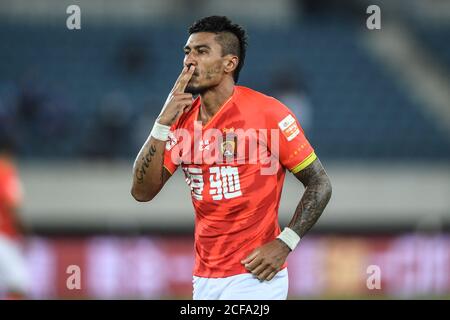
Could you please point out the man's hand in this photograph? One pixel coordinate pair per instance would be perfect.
(178, 101)
(149, 175)
(264, 262)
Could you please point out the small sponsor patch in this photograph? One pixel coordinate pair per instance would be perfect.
(289, 127)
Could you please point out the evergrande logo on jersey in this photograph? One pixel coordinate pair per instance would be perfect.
(228, 145)
(228, 148)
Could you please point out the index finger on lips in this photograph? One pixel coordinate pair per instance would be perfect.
(179, 78)
(184, 78)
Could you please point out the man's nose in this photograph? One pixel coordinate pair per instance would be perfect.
(189, 60)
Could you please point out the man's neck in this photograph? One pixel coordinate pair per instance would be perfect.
(213, 99)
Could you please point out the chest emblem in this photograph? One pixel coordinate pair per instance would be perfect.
(228, 148)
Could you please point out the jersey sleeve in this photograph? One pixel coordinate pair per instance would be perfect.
(293, 150)
(171, 154)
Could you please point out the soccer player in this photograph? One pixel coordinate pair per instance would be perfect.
(13, 275)
(240, 251)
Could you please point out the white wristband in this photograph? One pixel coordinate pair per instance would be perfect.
(290, 237)
(160, 132)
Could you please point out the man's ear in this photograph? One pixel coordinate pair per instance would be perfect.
(230, 63)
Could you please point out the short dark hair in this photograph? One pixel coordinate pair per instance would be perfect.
(225, 29)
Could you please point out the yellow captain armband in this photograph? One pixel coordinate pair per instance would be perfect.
(302, 165)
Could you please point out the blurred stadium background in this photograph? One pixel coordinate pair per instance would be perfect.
(374, 104)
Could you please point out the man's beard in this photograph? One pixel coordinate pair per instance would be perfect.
(196, 90)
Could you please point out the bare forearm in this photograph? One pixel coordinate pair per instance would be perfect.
(148, 170)
(149, 175)
(314, 200)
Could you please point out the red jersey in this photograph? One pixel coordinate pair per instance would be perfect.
(235, 167)
(10, 198)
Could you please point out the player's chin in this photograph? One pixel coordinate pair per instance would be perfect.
(194, 89)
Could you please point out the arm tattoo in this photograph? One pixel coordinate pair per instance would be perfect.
(146, 159)
(314, 200)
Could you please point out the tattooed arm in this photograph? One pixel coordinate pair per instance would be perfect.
(264, 262)
(149, 174)
(314, 200)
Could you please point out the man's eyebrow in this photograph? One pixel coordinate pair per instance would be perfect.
(186, 47)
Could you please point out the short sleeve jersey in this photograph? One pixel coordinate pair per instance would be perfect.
(235, 167)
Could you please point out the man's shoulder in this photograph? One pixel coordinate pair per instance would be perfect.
(262, 103)
(248, 93)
